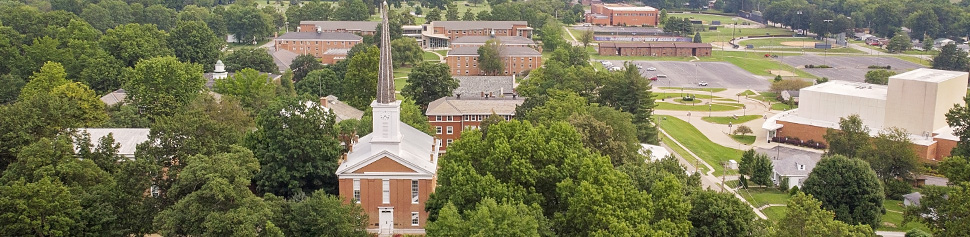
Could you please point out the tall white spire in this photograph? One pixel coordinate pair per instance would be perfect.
(387, 109)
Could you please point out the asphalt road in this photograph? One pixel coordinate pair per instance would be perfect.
(689, 74)
(847, 68)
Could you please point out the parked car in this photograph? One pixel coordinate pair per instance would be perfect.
(653, 78)
(639, 67)
(661, 76)
(616, 69)
(651, 69)
(702, 83)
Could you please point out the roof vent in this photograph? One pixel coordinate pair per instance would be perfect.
(319, 30)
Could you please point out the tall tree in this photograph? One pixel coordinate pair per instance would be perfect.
(956, 169)
(628, 91)
(303, 64)
(469, 15)
(951, 58)
(133, 42)
(892, 155)
(427, 82)
(899, 43)
(162, 85)
(248, 24)
(433, 15)
(849, 188)
(490, 57)
(255, 58)
(406, 51)
(490, 217)
(352, 10)
(297, 147)
(452, 13)
(360, 82)
(586, 37)
(253, 89)
(942, 209)
(552, 35)
(42, 208)
(309, 11)
(160, 16)
(194, 42)
(806, 217)
(720, 214)
(320, 83)
(319, 214)
(851, 136)
(761, 170)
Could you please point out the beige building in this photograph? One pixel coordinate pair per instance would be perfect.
(916, 101)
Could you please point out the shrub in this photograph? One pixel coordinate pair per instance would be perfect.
(880, 67)
(917, 233)
(896, 188)
(783, 185)
(793, 191)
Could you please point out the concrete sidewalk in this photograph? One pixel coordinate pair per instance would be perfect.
(720, 133)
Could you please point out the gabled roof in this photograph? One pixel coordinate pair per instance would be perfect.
(343, 25)
(342, 110)
(127, 138)
(320, 36)
(415, 151)
(788, 166)
(474, 25)
(913, 198)
(474, 105)
(475, 85)
(506, 51)
(506, 40)
(114, 97)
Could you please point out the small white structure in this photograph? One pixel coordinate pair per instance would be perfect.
(127, 138)
(653, 152)
(220, 71)
(732, 164)
(795, 168)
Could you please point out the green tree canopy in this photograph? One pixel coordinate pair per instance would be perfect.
(319, 214)
(194, 42)
(255, 58)
(892, 155)
(304, 64)
(899, 43)
(360, 82)
(427, 82)
(720, 214)
(490, 57)
(407, 51)
(629, 92)
(951, 58)
(942, 209)
(806, 217)
(352, 10)
(490, 217)
(162, 85)
(252, 88)
(131, 43)
(851, 136)
(847, 187)
(247, 23)
(320, 83)
(880, 76)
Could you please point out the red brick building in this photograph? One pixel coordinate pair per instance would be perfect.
(318, 44)
(439, 34)
(392, 171)
(463, 61)
(355, 27)
(449, 116)
(658, 49)
(622, 15)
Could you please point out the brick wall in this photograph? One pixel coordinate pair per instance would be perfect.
(313, 47)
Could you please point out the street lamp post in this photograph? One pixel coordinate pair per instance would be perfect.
(826, 40)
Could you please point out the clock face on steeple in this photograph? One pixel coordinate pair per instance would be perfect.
(385, 116)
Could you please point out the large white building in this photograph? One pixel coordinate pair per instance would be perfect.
(916, 101)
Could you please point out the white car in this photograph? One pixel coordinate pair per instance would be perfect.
(702, 83)
(651, 69)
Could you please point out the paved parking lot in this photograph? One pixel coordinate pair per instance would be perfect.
(847, 68)
(688, 74)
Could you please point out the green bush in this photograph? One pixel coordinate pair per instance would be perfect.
(783, 185)
(895, 189)
(793, 191)
(917, 233)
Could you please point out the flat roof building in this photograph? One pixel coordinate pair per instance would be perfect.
(664, 49)
(916, 101)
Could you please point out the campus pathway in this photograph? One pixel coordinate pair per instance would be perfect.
(720, 133)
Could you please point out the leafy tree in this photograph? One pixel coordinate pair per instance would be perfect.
(215, 197)
(489, 217)
(255, 58)
(253, 89)
(746, 165)
(663, 16)
(434, 15)
(406, 18)
(697, 37)
(452, 13)
(427, 82)
(789, 85)
(42, 208)
(680, 26)
(629, 92)
(133, 42)
(923, 22)
(609, 132)
(319, 214)
(899, 43)
(892, 156)
(98, 17)
(9, 92)
(551, 33)
(303, 64)
(927, 43)
(806, 217)
(942, 209)
(490, 57)
(352, 10)
(571, 56)
(417, 10)
(194, 42)
(719, 214)
(320, 83)
(160, 16)
(50, 76)
(761, 170)
(406, 50)
(586, 37)
(851, 136)
(360, 82)
(956, 169)
(469, 15)
(647, 176)
(297, 147)
(951, 58)
(743, 130)
(162, 85)
(247, 23)
(847, 187)
(310, 11)
(880, 76)
(917, 233)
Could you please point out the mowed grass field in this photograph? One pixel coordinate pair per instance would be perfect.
(708, 18)
(755, 63)
(726, 120)
(724, 33)
(696, 142)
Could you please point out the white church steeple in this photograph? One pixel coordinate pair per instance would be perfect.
(387, 109)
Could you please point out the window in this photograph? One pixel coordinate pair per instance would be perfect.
(154, 190)
(450, 130)
(386, 199)
(414, 191)
(801, 167)
(414, 219)
(437, 118)
(450, 141)
(357, 190)
(437, 129)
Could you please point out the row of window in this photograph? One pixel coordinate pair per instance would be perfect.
(318, 42)
(447, 118)
(633, 14)
(466, 118)
(438, 130)
(386, 191)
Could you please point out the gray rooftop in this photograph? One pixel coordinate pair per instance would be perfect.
(127, 138)
(789, 166)
(474, 105)
(320, 36)
(506, 51)
(913, 198)
(342, 110)
(475, 85)
(114, 97)
(344, 25)
(508, 40)
(474, 25)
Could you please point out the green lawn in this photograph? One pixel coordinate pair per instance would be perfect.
(683, 153)
(776, 44)
(767, 97)
(696, 142)
(698, 107)
(915, 60)
(400, 77)
(775, 213)
(696, 89)
(723, 34)
(744, 139)
(746, 93)
(429, 56)
(755, 63)
(781, 106)
(726, 119)
(763, 196)
(707, 18)
(776, 41)
(662, 95)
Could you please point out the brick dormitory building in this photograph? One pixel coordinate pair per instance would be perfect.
(449, 116)
(330, 47)
(355, 27)
(463, 61)
(439, 34)
(656, 49)
(916, 101)
(622, 15)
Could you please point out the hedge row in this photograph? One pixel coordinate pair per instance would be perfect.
(798, 142)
